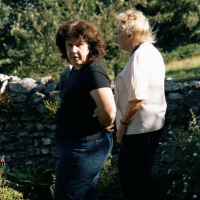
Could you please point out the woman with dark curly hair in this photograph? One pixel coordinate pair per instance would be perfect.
(86, 111)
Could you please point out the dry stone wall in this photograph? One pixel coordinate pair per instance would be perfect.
(27, 133)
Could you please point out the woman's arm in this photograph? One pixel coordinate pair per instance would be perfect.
(131, 109)
(106, 107)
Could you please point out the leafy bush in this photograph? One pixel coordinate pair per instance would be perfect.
(5, 104)
(6, 192)
(10, 194)
(35, 182)
(28, 30)
(180, 179)
(52, 107)
(182, 52)
(109, 187)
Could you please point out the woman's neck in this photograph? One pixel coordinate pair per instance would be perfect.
(136, 46)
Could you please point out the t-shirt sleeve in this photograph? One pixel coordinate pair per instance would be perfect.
(136, 78)
(98, 77)
(139, 79)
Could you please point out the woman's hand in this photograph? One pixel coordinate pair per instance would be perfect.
(131, 109)
(119, 135)
(110, 128)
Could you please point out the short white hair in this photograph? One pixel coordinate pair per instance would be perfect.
(133, 21)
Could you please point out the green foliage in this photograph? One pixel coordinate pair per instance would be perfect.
(5, 104)
(28, 28)
(52, 186)
(177, 22)
(181, 179)
(6, 192)
(109, 187)
(34, 182)
(10, 194)
(183, 73)
(52, 108)
(185, 147)
(28, 38)
(182, 52)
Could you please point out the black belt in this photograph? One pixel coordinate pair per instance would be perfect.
(96, 136)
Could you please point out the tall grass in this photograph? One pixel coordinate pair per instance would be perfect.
(187, 67)
(183, 62)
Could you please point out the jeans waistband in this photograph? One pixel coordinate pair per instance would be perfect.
(96, 136)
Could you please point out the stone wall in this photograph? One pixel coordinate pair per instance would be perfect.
(27, 130)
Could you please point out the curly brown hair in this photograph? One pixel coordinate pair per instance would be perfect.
(81, 29)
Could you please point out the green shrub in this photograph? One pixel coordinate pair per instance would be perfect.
(52, 107)
(180, 179)
(10, 194)
(34, 182)
(109, 187)
(182, 52)
(5, 104)
(6, 192)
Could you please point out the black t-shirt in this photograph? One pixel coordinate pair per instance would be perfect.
(74, 118)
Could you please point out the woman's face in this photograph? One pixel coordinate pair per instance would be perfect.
(77, 52)
(123, 40)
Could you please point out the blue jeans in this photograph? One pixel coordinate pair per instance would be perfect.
(79, 167)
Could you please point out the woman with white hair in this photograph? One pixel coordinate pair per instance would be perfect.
(141, 104)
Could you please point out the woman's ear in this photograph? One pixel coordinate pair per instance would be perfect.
(130, 36)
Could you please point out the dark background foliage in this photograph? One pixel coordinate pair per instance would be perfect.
(28, 28)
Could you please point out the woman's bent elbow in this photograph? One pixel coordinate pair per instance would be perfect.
(108, 120)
